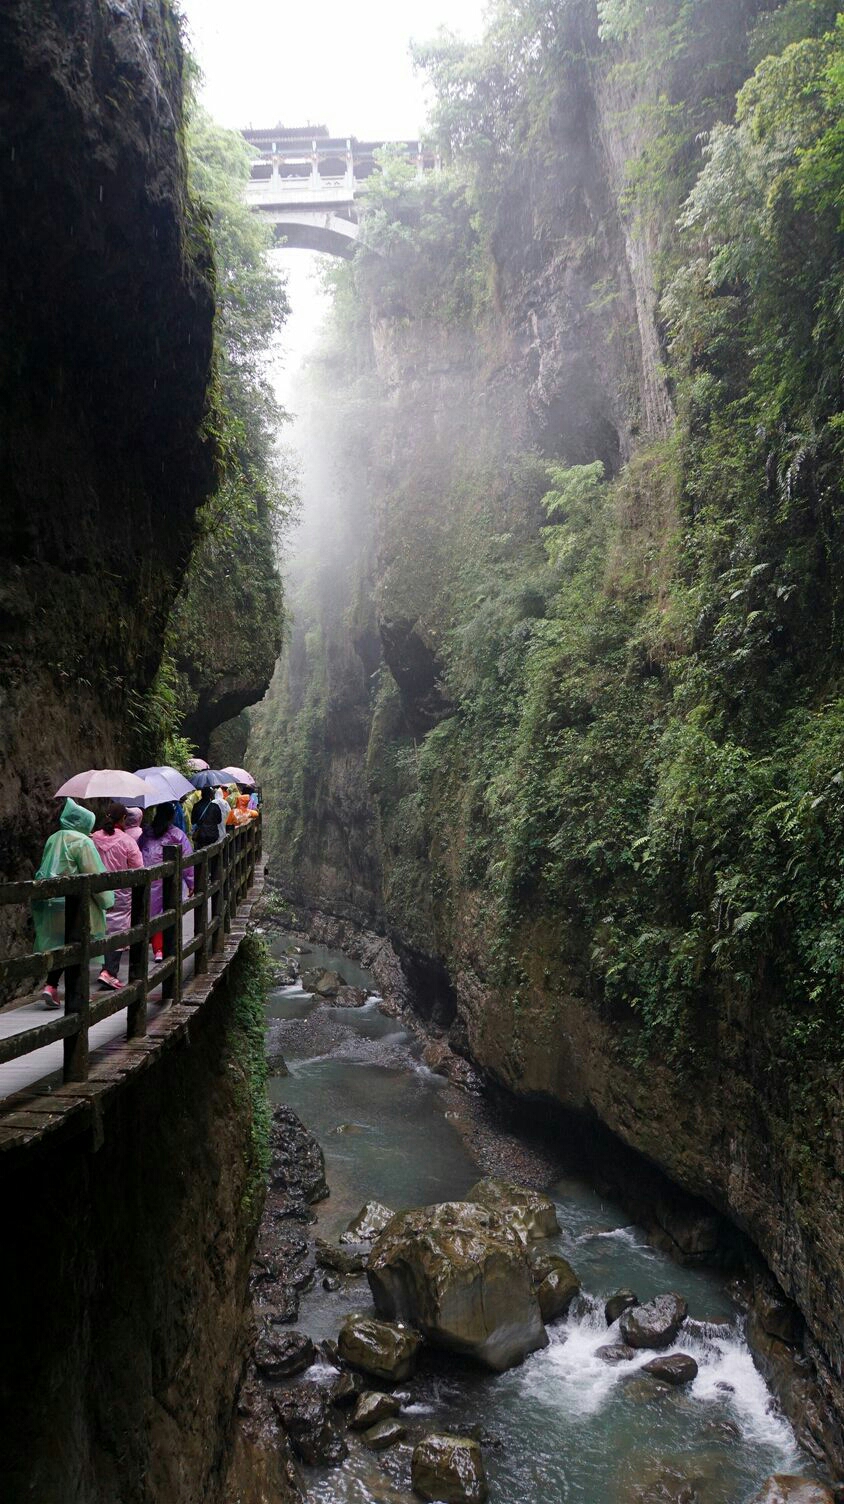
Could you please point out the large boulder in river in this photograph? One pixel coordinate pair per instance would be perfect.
(459, 1274)
(368, 1224)
(528, 1212)
(449, 1468)
(655, 1324)
(384, 1349)
(783, 1488)
(323, 983)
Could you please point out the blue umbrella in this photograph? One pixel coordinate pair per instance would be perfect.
(165, 785)
(210, 779)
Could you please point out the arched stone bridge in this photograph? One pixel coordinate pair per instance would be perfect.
(309, 184)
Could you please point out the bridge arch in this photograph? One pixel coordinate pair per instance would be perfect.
(310, 230)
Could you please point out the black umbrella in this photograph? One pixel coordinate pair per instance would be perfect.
(209, 778)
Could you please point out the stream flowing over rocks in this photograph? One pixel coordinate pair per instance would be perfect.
(442, 1313)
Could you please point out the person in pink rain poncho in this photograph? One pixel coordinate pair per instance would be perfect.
(120, 853)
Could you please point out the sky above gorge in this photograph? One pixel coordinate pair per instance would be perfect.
(342, 65)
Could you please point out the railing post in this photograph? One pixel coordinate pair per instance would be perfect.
(136, 1013)
(215, 876)
(200, 891)
(77, 983)
(228, 853)
(171, 990)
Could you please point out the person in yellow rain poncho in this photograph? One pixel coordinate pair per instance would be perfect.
(67, 853)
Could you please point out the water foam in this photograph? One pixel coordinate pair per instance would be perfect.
(570, 1373)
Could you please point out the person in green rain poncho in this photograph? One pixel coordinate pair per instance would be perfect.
(68, 852)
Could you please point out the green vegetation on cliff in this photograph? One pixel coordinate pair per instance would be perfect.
(638, 734)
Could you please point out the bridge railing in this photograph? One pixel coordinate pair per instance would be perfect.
(223, 875)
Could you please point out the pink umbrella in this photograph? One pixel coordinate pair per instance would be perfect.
(240, 775)
(103, 783)
(198, 764)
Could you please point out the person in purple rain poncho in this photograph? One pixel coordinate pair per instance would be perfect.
(162, 832)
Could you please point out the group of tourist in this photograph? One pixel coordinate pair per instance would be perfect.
(122, 841)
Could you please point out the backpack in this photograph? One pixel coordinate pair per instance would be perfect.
(206, 832)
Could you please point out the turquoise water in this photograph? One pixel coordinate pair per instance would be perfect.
(565, 1426)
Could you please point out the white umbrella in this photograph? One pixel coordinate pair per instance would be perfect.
(198, 764)
(240, 775)
(165, 784)
(104, 783)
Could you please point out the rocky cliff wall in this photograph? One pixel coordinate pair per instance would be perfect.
(106, 307)
(126, 1260)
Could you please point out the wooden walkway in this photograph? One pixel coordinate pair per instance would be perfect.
(36, 1105)
(45, 1066)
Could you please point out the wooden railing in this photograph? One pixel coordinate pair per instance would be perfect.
(223, 875)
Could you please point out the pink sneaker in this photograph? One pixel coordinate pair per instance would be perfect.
(109, 981)
(158, 955)
(50, 996)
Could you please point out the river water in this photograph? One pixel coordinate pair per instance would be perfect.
(565, 1427)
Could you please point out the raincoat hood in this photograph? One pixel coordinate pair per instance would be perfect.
(74, 817)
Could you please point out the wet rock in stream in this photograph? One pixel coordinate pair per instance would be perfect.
(783, 1488)
(298, 1166)
(324, 983)
(351, 997)
(384, 1434)
(458, 1273)
(655, 1324)
(280, 1355)
(284, 1264)
(368, 1224)
(449, 1468)
(617, 1304)
(307, 1420)
(371, 1407)
(554, 1281)
(349, 1260)
(386, 1350)
(528, 1212)
(676, 1369)
(615, 1352)
(346, 1389)
(442, 1060)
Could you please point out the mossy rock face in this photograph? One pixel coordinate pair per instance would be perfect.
(459, 1274)
(449, 1468)
(386, 1350)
